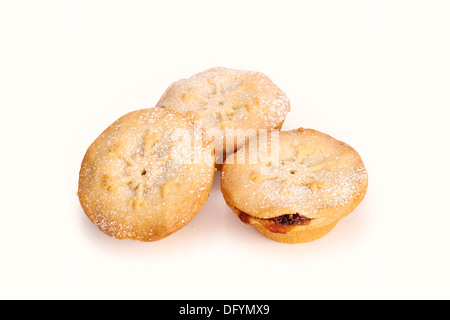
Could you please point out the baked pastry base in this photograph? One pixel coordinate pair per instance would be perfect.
(298, 235)
(306, 233)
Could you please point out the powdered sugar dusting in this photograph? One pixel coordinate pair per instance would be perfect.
(137, 168)
(315, 172)
(221, 99)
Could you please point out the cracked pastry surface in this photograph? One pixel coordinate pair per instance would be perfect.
(299, 192)
(224, 99)
(140, 179)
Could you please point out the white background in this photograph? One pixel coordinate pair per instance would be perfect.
(375, 74)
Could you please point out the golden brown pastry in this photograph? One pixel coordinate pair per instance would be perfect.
(297, 187)
(141, 178)
(227, 100)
